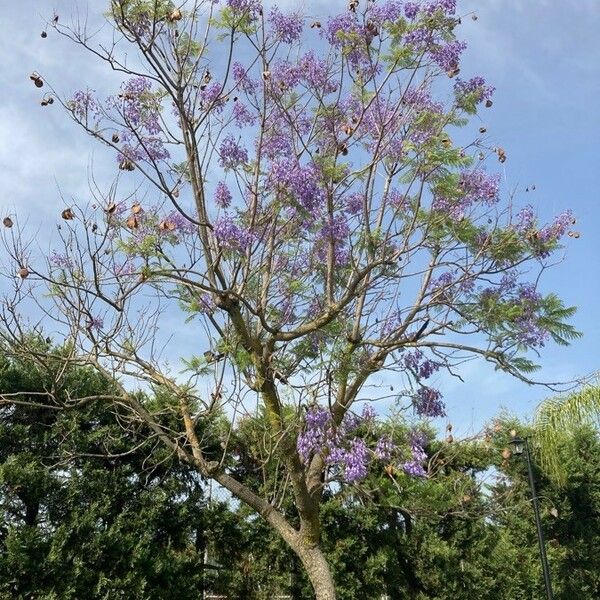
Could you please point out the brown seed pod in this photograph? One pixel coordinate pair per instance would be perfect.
(110, 209)
(449, 438)
(316, 24)
(574, 234)
(136, 209)
(115, 138)
(266, 75)
(353, 5)
(7, 222)
(348, 130)
(207, 76)
(94, 228)
(44, 102)
(175, 15)
(67, 214)
(481, 156)
(488, 103)
(506, 453)
(50, 100)
(453, 72)
(38, 83)
(482, 130)
(126, 165)
(132, 222)
(23, 272)
(343, 148)
(474, 17)
(43, 34)
(167, 226)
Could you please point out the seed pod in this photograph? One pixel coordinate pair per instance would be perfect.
(449, 438)
(136, 209)
(7, 222)
(343, 148)
(23, 272)
(316, 24)
(506, 453)
(266, 75)
(488, 103)
(175, 15)
(167, 226)
(126, 165)
(110, 209)
(513, 433)
(43, 34)
(132, 222)
(50, 100)
(453, 72)
(94, 228)
(482, 130)
(348, 130)
(474, 17)
(481, 156)
(207, 76)
(38, 83)
(574, 234)
(115, 138)
(67, 214)
(44, 102)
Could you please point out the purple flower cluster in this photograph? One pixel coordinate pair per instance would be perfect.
(287, 28)
(447, 56)
(428, 402)
(62, 261)
(301, 182)
(252, 8)
(385, 448)
(477, 185)
(243, 82)
(342, 450)
(316, 73)
(475, 87)
(242, 116)
(222, 195)
(83, 104)
(414, 466)
(389, 11)
(230, 235)
(231, 153)
(211, 97)
(421, 367)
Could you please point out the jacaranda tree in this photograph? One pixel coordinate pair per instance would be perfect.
(291, 189)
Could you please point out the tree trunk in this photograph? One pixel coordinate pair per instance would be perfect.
(318, 571)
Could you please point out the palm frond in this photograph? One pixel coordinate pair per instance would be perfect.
(556, 420)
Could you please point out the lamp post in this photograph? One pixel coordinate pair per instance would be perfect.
(521, 448)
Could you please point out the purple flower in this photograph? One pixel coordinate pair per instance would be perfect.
(388, 11)
(447, 57)
(250, 7)
(242, 80)
(241, 115)
(84, 104)
(230, 235)
(384, 448)
(317, 74)
(222, 195)
(414, 466)
(312, 439)
(231, 154)
(356, 460)
(354, 203)
(421, 367)
(428, 402)
(62, 261)
(287, 28)
(411, 10)
(475, 87)
(211, 97)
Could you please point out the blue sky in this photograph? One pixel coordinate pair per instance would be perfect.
(543, 56)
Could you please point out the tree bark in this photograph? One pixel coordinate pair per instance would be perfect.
(318, 571)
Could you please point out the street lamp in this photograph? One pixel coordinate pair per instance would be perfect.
(521, 448)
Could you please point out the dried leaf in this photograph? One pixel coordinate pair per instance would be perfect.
(7, 222)
(67, 214)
